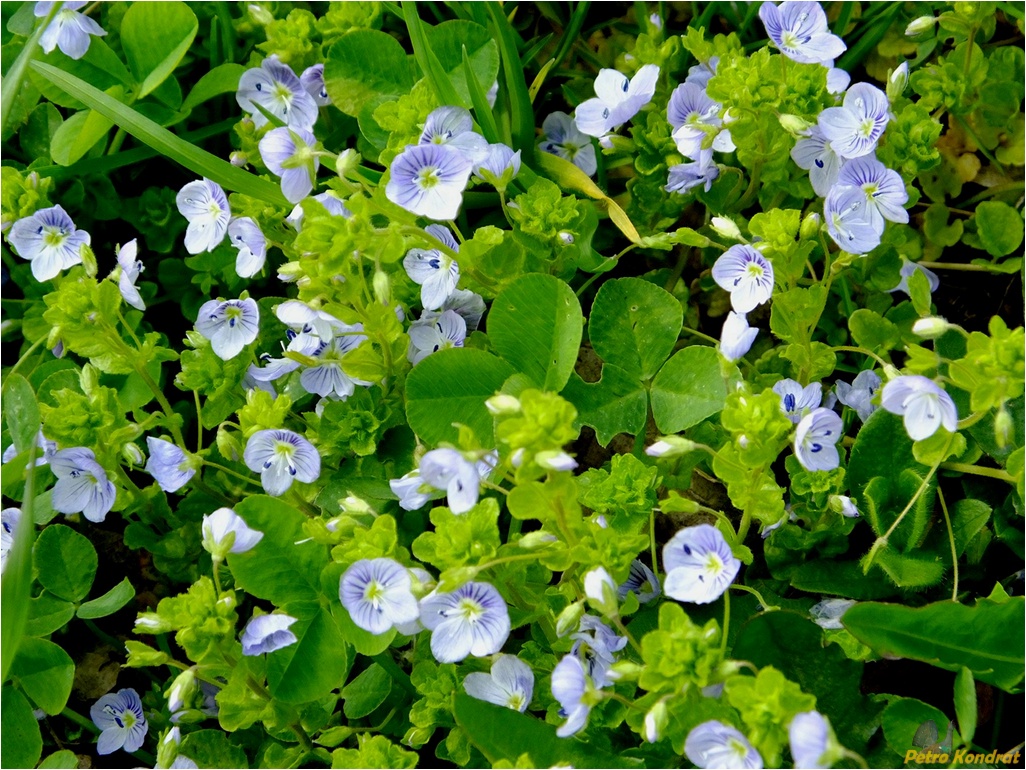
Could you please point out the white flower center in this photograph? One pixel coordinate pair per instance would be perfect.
(515, 701)
(866, 127)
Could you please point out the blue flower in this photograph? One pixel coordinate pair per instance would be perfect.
(69, 30)
(168, 464)
(699, 565)
(312, 81)
(275, 87)
(594, 645)
(467, 304)
(923, 403)
(329, 200)
(737, 336)
(848, 220)
(82, 485)
(684, 177)
(617, 100)
(795, 400)
(448, 330)
(436, 273)
(569, 685)
(810, 738)
(408, 490)
(816, 438)
(49, 240)
(326, 377)
(248, 238)
(42, 458)
(499, 167)
(303, 319)
(230, 325)
(206, 207)
(9, 519)
(885, 192)
(859, 395)
(746, 274)
(642, 581)
(267, 633)
(429, 180)
(291, 154)
(454, 127)
(225, 532)
(448, 470)
(377, 594)
(854, 128)
(908, 269)
(510, 683)
(120, 717)
(713, 744)
(694, 117)
(130, 268)
(563, 139)
(472, 620)
(281, 456)
(815, 155)
(800, 31)
(828, 613)
(701, 73)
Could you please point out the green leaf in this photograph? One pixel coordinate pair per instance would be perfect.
(617, 403)
(163, 141)
(503, 734)
(77, 135)
(60, 760)
(987, 638)
(270, 570)
(873, 331)
(428, 61)
(451, 386)
(21, 411)
(914, 571)
(365, 693)
(521, 111)
(223, 79)
(688, 389)
(212, 748)
(16, 586)
(999, 226)
(155, 38)
(536, 325)
(109, 603)
(968, 517)
(47, 613)
(903, 721)
(312, 667)
(634, 325)
(65, 562)
(965, 703)
(45, 672)
(363, 65)
(364, 642)
(23, 743)
(919, 292)
(795, 312)
(447, 41)
(479, 99)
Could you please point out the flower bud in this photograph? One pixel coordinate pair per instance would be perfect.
(671, 446)
(655, 721)
(844, 506)
(794, 125)
(238, 159)
(566, 238)
(260, 15)
(920, 26)
(1003, 427)
(142, 655)
(133, 454)
(810, 226)
(503, 404)
(228, 445)
(601, 591)
(537, 539)
(382, 287)
(930, 328)
(890, 372)
(557, 460)
(150, 623)
(897, 81)
(352, 504)
(88, 260)
(727, 228)
(517, 459)
(625, 671)
(88, 379)
(569, 619)
(182, 690)
(347, 163)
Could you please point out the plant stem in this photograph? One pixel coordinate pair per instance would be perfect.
(961, 267)
(199, 422)
(29, 352)
(726, 623)
(951, 539)
(230, 472)
(975, 470)
(766, 606)
(863, 351)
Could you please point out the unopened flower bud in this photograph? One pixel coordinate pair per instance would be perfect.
(228, 445)
(238, 159)
(182, 690)
(347, 162)
(890, 371)
(566, 238)
(897, 81)
(150, 623)
(794, 125)
(382, 287)
(671, 446)
(655, 721)
(133, 454)
(930, 328)
(810, 226)
(844, 506)
(260, 15)
(555, 460)
(625, 671)
(569, 619)
(920, 26)
(517, 459)
(503, 404)
(601, 591)
(88, 260)
(355, 505)
(142, 655)
(1003, 427)
(537, 539)
(727, 228)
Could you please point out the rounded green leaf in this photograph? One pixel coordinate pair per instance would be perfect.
(536, 324)
(60, 760)
(365, 64)
(447, 40)
(65, 562)
(451, 386)
(617, 403)
(155, 38)
(999, 227)
(47, 613)
(45, 672)
(689, 388)
(634, 325)
(365, 693)
(314, 665)
(23, 743)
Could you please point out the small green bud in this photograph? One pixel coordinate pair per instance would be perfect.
(89, 379)
(503, 404)
(601, 591)
(897, 81)
(890, 372)
(1003, 427)
(88, 260)
(141, 655)
(569, 619)
(382, 287)
(290, 272)
(625, 671)
(260, 15)
(794, 125)
(810, 226)
(655, 721)
(727, 228)
(417, 736)
(671, 446)
(133, 455)
(181, 691)
(228, 445)
(348, 163)
(920, 26)
(238, 159)
(354, 505)
(930, 328)
(537, 539)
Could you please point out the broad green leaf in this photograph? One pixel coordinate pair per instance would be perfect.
(77, 135)
(23, 743)
(109, 603)
(47, 613)
(39, 130)
(279, 569)
(987, 638)
(536, 325)
(634, 325)
(223, 79)
(999, 226)
(968, 517)
(905, 728)
(451, 386)
(364, 642)
(447, 41)
(65, 562)
(795, 312)
(21, 411)
(914, 570)
(163, 141)
(965, 703)
(504, 734)
(155, 38)
(841, 578)
(365, 693)
(689, 388)
(45, 672)
(60, 760)
(312, 667)
(617, 403)
(873, 331)
(365, 64)
(212, 748)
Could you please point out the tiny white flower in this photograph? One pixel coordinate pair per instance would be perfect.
(168, 464)
(224, 532)
(206, 207)
(923, 404)
(82, 485)
(69, 30)
(737, 336)
(435, 272)
(510, 683)
(815, 440)
(130, 270)
(50, 240)
(617, 100)
(274, 86)
(699, 565)
(746, 274)
(377, 594)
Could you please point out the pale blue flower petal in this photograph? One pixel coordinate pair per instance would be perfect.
(716, 745)
(168, 464)
(699, 565)
(267, 633)
(815, 440)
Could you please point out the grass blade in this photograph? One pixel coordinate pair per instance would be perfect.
(482, 110)
(16, 586)
(433, 69)
(521, 111)
(163, 141)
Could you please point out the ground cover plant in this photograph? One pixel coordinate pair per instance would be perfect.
(512, 385)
